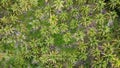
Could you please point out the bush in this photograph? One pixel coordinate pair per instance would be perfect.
(59, 34)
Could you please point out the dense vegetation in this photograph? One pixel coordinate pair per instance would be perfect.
(59, 34)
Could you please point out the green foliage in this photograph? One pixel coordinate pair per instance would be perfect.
(59, 34)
